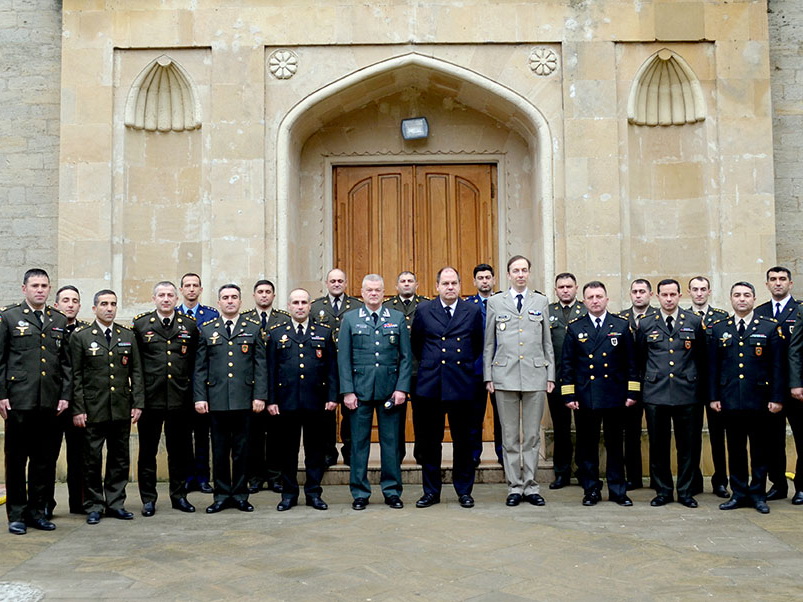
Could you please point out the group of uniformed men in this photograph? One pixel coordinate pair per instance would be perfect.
(253, 382)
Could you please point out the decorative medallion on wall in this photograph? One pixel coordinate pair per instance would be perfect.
(283, 64)
(163, 98)
(543, 61)
(665, 92)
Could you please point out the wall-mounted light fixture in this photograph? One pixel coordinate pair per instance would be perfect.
(415, 128)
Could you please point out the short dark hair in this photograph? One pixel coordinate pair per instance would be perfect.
(516, 258)
(100, 293)
(564, 275)
(743, 283)
(34, 272)
(443, 269)
(642, 281)
(594, 284)
(264, 282)
(67, 287)
(483, 267)
(707, 281)
(405, 272)
(667, 282)
(181, 282)
(229, 285)
(779, 268)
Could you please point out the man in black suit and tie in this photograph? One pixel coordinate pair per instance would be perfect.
(599, 379)
(447, 339)
(783, 307)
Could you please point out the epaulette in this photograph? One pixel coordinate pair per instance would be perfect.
(623, 318)
(496, 293)
(53, 309)
(81, 327)
(118, 325)
(319, 325)
(768, 318)
(716, 310)
(575, 319)
(209, 307)
(193, 318)
(324, 298)
(535, 290)
(208, 321)
(12, 306)
(143, 314)
(247, 319)
(282, 311)
(279, 325)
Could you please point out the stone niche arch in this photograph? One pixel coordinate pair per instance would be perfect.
(395, 75)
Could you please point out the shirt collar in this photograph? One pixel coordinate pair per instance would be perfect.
(514, 292)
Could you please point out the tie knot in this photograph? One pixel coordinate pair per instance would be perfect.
(229, 322)
(300, 329)
(598, 321)
(264, 314)
(166, 322)
(406, 302)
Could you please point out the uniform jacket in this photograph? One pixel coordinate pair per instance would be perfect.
(787, 318)
(168, 359)
(201, 313)
(303, 369)
(407, 310)
(672, 363)
(712, 315)
(447, 349)
(517, 353)
(558, 325)
(230, 372)
(322, 312)
(746, 373)
(599, 369)
(374, 360)
(630, 313)
(796, 352)
(107, 377)
(34, 360)
(277, 316)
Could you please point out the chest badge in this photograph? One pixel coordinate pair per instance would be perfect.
(94, 348)
(502, 326)
(244, 348)
(319, 353)
(759, 351)
(582, 337)
(614, 341)
(22, 326)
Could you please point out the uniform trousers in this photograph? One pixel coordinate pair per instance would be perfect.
(312, 424)
(178, 440)
(26, 435)
(687, 422)
(229, 430)
(390, 478)
(73, 438)
(742, 426)
(480, 406)
(587, 453)
(563, 448)
(792, 411)
(200, 434)
(520, 414)
(430, 420)
(633, 427)
(106, 491)
(263, 450)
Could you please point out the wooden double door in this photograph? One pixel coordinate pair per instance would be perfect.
(391, 218)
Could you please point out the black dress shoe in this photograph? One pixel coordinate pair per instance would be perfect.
(721, 491)
(244, 506)
(661, 500)
(217, 506)
(394, 501)
(182, 504)
(205, 487)
(466, 501)
(591, 498)
(253, 489)
(317, 503)
(48, 512)
(776, 494)
(359, 503)
(286, 504)
(514, 499)
(731, 504)
(427, 500)
(689, 502)
(535, 499)
(623, 501)
(17, 528)
(93, 518)
(148, 509)
(559, 482)
(119, 513)
(631, 485)
(762, 507)
(797, 500)
(42, 524)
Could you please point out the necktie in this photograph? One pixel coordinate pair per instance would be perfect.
(301, 330)
(166, 322)
(264, 319)
(777, 309)
(448, 312)
(484, 303)
(38, 314)
(566, 309)
(741, 327)
(190, 313)
(71, 327)
(336, 305)
(519, 298)
(406, 302)
(228, 327)
(599, 323)
(108, 336)
(374, 317)
(699, 313)
(669, 321)
(638, 319)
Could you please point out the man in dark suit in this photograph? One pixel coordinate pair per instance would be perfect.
(375, 367)
(783, 307)
(447, 339)
(302, 366)
(167, 343)
(35, 387)
(670, 346)
(794, 408)
(599, 380)
(230, 380)
(565, 309)
(640, 296)
(700, 293)
(263, 440)
(328, 310)
(746, 384)
(109, 396)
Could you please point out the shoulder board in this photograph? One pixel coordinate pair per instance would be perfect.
(12, 306)
(54, 310)
(209, 321)
(81, 327)
(322, 299)
(623, 318)
(193, 318)
(537, 292)
(421, 298)
(250, 319)
(118, 325)
(142, 315)
(319, 325)
(282, 311)
(208, 307)
(716, 310)
(767, 318)
(279, 325)
(555, 305)
(575, 319)
(81, 323)
(496, 293)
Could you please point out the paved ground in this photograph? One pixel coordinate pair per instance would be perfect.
(562, 551)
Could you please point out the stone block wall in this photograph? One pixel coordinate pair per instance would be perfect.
(30, 81)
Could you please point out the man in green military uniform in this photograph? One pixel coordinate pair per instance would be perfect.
(35, 386)
(109, 397)
(167, 342)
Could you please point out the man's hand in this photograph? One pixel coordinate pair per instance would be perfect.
(630, 402)
(201, 407)
(331, 406)
(716, 406)
(273, 409)
(550, 386)
(399, 397)
(5, 406)
(573, 405)
(258, 405)
(797, 393)
(774, 407)
(135, 414)
(489, 386)
(79, 420)
(350, 399)
(63, 405)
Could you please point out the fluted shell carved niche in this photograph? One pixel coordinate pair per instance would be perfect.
(665, 92)
(163, 98)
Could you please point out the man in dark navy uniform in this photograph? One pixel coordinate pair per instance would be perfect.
(599, 379)
(746, 384)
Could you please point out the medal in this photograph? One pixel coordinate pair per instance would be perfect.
(183, 350)
(502, 326)
(244, 348)
(393, 339)
(614, 341)
(124, 360)
(688, 344)
(758, 351)
(319, 353)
